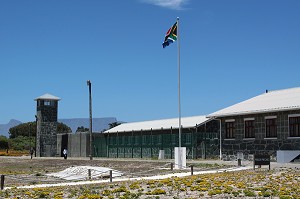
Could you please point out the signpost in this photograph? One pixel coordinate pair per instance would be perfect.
(261, 159)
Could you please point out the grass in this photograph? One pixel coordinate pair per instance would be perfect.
(13, 153)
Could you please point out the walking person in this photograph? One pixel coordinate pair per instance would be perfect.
(31, 152)
(65, 152)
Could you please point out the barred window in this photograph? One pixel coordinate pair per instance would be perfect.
(173, 139)
(271, 128)
(230, 130)
(136, 140)
(48, 103)
(159, 140)
(249, 129)
(294, 126)
(188, 138)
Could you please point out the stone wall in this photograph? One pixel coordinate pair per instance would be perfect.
(259, 144)
(46, 138)
(49, 112)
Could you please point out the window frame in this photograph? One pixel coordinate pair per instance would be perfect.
(271, 128)
(294, 126)
(48, 103)
(188, 138)
(249, 128)
(229, 129)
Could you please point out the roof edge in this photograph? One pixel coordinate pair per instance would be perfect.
(281, 109)
(47, 96)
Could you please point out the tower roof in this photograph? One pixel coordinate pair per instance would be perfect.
(47, 96)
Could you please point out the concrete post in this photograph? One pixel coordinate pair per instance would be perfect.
(90, 174)
(2, 182)
(192, 169)
(110, 176)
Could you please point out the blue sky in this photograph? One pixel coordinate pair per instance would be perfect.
(230, 51)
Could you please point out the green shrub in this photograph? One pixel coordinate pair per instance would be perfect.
(285, 197)
(266, 194)
(120, 189)
(156, 192)
(3, 142)
(249, 193)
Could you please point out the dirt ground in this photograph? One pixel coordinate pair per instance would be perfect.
(25, 171)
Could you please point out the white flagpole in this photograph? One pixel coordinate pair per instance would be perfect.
(179, 103)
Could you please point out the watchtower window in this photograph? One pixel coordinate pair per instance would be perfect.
(48, 103)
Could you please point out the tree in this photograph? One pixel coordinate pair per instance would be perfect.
(24, 129)
(20, 143)
(29, 129)
(114, 124)
(82, 129)
(63, 128)
(22, 136)
(3, 142)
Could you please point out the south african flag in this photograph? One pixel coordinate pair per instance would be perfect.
(171, 36)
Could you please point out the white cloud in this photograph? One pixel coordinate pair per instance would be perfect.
(171, 4)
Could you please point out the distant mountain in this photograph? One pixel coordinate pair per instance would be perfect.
(4, 128)
(99, 124)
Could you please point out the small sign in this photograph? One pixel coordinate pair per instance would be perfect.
(240, 155)
(261, 159)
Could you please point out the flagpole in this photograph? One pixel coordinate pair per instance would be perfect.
(179, 103)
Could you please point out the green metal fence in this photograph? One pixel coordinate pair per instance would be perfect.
(146, 144)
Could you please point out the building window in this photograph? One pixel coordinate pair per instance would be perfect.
(294, 126)
(173, 139)
(48, 103)
(146, 139)
(229, 129)
(114, 140)
(249, 129)
(159, 139)
(126, 140)
(188, 138)
(271, 128)
(122, 140)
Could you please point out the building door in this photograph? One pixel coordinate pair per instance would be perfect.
(203, 150)
(48, 150)
(64, 144)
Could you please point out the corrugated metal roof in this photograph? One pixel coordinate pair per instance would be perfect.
(47, 96)
(278, 100)
(186, 122)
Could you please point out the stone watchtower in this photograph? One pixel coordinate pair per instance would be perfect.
(46, 116)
